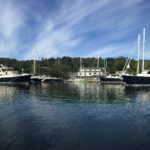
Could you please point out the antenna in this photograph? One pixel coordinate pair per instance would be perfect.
(138, 62)
(143, 65)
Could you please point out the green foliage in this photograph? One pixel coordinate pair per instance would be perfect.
(61, 67)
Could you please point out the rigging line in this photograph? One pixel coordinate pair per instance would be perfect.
(129, 60)
(129, 56)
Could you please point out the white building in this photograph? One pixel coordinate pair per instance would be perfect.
(90, 72)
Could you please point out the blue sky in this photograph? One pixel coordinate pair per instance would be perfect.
(85, 28)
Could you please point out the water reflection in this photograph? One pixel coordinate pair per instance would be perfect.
(74, 116)
(76, 92)
(138, 94)
(94, 92)
(9, 93)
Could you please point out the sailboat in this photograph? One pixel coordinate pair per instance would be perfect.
(143, 78)
(35, 79)
(112, 78)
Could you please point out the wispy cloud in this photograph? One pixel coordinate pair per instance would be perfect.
(58, 28)
(10, 22)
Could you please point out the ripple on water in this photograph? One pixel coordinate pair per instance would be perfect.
(74, 116)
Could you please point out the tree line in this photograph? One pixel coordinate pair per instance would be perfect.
(61, 67)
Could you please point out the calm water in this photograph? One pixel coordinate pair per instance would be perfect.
(74, 117)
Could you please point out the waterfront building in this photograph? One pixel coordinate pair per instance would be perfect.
(90, 72)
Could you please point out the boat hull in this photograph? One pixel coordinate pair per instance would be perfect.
(18, 79)
(36, 80)
(52, 80)
(136, 80)
(111, 80)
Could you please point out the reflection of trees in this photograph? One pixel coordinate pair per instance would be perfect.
(139, 94)
(109, 93)
(87, 90)
(99, 93)
(113, 93)
(73, 92)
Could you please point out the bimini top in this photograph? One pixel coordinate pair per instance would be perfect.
(144, 73)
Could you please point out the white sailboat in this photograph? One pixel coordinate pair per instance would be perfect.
(34, 78)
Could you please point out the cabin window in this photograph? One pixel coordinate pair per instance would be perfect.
(148, 72)
(3, 70)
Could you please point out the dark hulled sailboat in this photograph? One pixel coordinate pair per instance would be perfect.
(113, 79)
(140, 79)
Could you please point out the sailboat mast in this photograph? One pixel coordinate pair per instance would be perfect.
(34, 68)
(98, 62)
(34, 62)
(143, 65)
(105, 66)
(138, 62)
(80, 63)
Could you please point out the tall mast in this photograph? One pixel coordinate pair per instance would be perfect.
(105, 66)
(80, 63)
(34, 67)
(143, 65)
(34, 62)
(58, 61)
(138, 62)
(98, 62)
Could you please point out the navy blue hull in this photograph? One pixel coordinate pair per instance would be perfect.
(110, 80)
(23, 78)
(136, 80)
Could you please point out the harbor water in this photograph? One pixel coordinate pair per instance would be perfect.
(67, 116)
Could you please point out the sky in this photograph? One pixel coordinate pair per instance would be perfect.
(35, 29)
